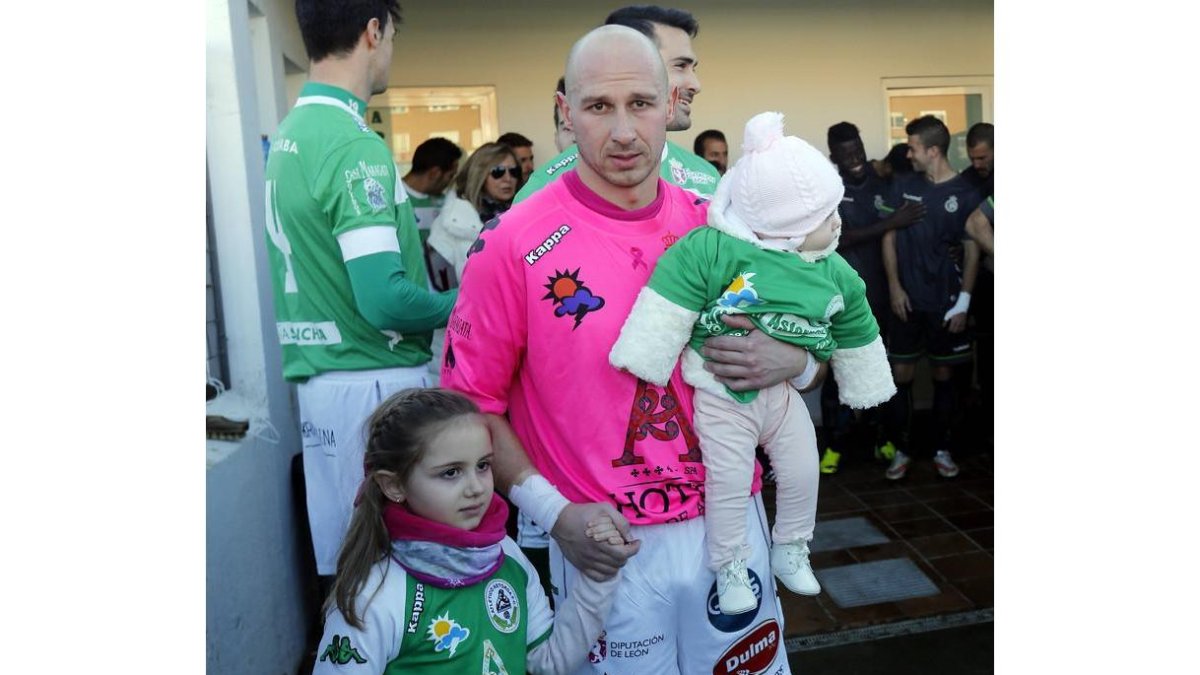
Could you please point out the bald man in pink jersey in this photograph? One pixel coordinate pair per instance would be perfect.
(543, 297)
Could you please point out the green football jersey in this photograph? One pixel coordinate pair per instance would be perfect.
(426, 208)
(679, 167)
(821, 306)
(328, 174)
(412, 627)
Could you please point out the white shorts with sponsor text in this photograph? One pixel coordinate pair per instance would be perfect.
(333, 408)
(665, 620)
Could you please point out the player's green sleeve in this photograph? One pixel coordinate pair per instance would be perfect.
(390, 301)
(855, 325)
(547, 172)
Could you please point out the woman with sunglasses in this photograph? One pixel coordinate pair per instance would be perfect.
(484, 188)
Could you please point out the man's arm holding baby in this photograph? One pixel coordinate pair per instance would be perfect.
(757, 361)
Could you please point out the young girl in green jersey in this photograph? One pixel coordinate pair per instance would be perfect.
(427, 581)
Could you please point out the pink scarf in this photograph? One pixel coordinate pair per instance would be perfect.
(443, 555)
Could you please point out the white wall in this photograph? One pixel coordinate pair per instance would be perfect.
(255, 621)
(819, 62)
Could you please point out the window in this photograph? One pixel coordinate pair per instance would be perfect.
(958, 101)
(409, 116)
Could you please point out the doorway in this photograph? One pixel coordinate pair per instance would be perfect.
(958, 101)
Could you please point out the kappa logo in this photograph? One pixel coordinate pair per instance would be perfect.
(543, 248)
(340, 652)
(503, 606)
(952, 204)
(565, 161)
(752, 654)
(446, 634)
(571, 296)
(732, 623)
(418, 607)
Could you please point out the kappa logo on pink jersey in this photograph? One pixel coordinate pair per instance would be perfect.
(571, 295)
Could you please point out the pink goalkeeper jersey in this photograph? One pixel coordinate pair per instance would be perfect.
(542, 300)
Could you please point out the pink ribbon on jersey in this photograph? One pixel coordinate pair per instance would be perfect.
(637, 257)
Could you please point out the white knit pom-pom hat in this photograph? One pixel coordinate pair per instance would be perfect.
(782, 186)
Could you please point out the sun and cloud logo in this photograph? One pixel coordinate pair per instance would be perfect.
(740, 292)
(445, 633)
(571, 295)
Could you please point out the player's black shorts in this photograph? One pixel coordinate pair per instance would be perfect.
(926, 333)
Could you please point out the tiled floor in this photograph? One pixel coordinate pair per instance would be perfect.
(944, 526)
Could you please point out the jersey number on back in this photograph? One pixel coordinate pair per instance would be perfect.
(275, 231)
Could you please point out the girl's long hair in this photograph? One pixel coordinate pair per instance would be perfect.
(398, 435)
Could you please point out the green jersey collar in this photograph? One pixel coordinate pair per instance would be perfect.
(315, 93)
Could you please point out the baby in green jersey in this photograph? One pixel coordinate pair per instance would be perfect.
(768, 254)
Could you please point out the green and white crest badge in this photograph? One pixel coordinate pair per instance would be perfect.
(503, 605)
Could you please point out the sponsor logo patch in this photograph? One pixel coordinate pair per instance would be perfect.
(752, 654)
(376, 196)
(678, 174)
(503, 606)
(633, 649)
(740, 292)
(599, 650)
(571, 296)
(308, 333)
(492, 663)
(446, 634)
(315, 436)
